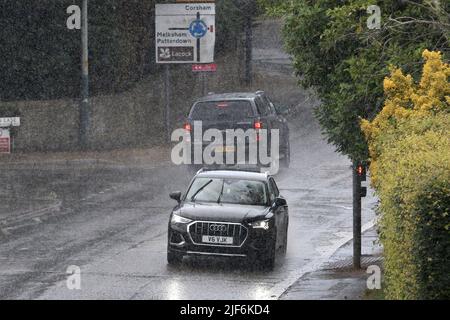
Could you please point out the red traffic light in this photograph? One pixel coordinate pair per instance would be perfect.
(360, 170)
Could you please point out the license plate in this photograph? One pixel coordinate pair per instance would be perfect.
(225, 149)
(217, 240)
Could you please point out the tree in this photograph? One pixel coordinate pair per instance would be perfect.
(335, 53)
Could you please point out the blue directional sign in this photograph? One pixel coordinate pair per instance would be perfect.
(185, 32)
(198, 28)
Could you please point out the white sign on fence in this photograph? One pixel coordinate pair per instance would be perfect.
(9, 122)
(185, 32)
(5, 141)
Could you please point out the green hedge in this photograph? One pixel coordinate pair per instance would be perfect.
(414, 190)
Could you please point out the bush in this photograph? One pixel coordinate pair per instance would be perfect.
(414, 202)
(410, 151)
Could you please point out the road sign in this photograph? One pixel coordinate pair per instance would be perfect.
(185, 32)
(5, 141)
(210, 67)
(9, 122)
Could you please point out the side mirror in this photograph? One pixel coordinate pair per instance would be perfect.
(176, 196)
(280, 202)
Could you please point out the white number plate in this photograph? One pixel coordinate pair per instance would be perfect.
(217, 240)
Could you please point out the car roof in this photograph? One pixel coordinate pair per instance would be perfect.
(233, 174)
(229, 96)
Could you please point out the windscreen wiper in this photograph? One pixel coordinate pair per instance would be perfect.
(221, 191)
(200, 190)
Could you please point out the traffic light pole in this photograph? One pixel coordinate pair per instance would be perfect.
(356, 217)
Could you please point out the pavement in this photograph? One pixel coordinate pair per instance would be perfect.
(337, 279)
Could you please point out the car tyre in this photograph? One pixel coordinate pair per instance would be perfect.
(173, 258)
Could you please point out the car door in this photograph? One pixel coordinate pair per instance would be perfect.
(281, 214)
(276, 211)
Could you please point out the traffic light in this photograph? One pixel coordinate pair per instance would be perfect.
(361, 173)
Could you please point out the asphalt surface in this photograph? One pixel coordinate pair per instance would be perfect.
(111, 221)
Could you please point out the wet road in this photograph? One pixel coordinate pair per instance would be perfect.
(112, 223)
(111, 220)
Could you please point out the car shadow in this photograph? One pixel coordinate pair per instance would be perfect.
(225, 265)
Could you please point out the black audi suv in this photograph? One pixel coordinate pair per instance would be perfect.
(230, 213)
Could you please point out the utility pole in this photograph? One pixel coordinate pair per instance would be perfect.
(248, 47)
(167, 96)
(84, 106)
(250, 9)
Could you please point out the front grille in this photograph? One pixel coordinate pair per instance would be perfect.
(199, 229)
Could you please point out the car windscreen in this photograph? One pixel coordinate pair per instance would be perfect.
(222, 110)
(232, 191)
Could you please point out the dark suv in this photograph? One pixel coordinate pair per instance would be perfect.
(229, 213)
(239, 111)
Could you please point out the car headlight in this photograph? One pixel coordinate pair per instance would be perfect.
(179, 219)
(261, 224)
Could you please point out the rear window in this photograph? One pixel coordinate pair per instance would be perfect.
(222, 111)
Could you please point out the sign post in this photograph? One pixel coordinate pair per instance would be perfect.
(185, 33)
(203, 69)
(167, 96)
(84, 106)
(5, 141)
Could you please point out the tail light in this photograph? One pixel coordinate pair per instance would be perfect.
(258, 126)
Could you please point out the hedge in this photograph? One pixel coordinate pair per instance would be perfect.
(409, 145)
(415, 223)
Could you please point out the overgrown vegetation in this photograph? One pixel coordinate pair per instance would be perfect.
(410, 150)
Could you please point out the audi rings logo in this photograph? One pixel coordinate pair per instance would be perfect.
(218, 227)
